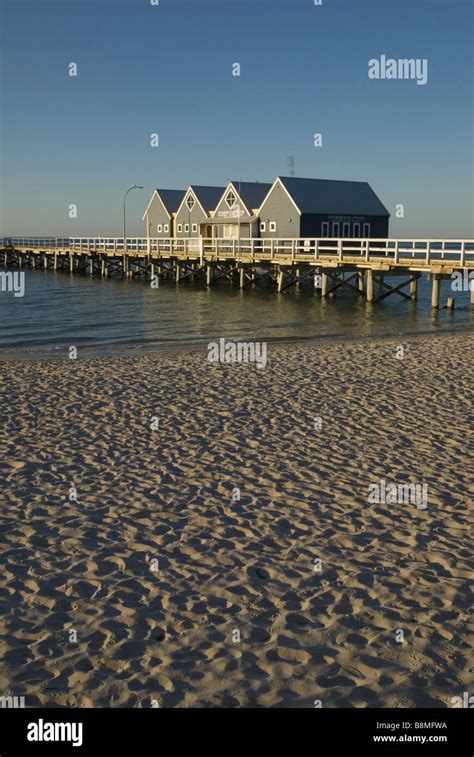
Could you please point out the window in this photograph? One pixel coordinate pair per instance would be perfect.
(273, 226)
(190, 202)
(356, 230)
(325, 229)
(194, 228)
(366, 230)
(263, 226)
(166, 228)
(186, 228)
(159, 228)
(335, 228)
(230, 199)
(346, 230)
(180, 228)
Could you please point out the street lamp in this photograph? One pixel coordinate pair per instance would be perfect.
(135, 186)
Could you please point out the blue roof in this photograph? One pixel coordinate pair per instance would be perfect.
(171, 198)
(252, 193)
(208, 196)
(331, 196)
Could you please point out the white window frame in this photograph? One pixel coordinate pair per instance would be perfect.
(334, 225)
(186, 228)
(346, 230)
(231, 204)
(263, 226)
(166, 228)
(366, 230)
(272, 226)
(356, 231)
(325, 229)
(159, 228)
(194, 228)
(180, 228)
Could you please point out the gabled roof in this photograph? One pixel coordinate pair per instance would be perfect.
(170, 199)
(207, 196)
(252, 193)
(331, 196)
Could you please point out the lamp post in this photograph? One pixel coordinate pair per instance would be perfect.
(135, 186)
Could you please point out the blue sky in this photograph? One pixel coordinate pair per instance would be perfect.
(167, 69)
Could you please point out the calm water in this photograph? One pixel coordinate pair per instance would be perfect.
(114, 315)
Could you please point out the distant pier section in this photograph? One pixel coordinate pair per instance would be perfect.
(327, 264)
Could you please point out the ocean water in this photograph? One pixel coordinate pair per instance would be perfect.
(101, 316)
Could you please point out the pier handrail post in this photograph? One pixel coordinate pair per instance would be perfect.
(292, 250)
(463, 252)
(316, 248)
(339, 248)
(428, 250)
(233, 248)
(367, 250)
(396, 251)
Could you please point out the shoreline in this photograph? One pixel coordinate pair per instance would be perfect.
(198, 348)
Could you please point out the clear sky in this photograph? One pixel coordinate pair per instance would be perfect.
(167, 69)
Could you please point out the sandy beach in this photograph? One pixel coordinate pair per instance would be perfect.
(180, 533)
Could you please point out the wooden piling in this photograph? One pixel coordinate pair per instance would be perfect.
(435, 290)
(280, 280)
(414, 289)
(370, 285)
(324, 284)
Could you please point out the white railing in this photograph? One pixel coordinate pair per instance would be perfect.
(426, 251)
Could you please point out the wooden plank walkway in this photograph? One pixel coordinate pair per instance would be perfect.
(359, 264)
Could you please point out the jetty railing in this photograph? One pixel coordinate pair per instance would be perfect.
(427, 251)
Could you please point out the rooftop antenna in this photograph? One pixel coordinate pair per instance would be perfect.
(291, 165)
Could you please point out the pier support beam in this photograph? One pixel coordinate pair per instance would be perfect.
(324, 284)
(471, 286)
(435, 290)
(209, 273)
(178, 273)
(414, 289)
(370, 285)
(280, 281)
(360, 281)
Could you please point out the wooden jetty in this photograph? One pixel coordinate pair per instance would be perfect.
(362, 265)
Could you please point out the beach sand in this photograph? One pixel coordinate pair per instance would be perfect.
(159, 568)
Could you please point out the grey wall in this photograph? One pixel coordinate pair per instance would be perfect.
(194, 216)
(157, 214)
(278, 207)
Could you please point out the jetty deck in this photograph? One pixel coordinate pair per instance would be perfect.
(329, 263)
